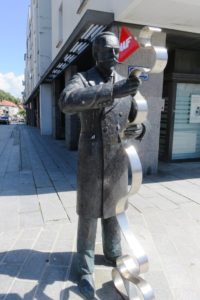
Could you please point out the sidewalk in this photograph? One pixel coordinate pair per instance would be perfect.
(38, 223)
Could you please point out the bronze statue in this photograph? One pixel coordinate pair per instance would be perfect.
(103, 100)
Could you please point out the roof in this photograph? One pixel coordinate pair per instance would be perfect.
(7, 103)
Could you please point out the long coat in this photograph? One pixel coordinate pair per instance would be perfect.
(102, 177)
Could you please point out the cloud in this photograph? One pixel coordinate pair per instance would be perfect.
(12, 83)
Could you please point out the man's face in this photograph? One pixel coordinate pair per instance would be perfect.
(108, 53)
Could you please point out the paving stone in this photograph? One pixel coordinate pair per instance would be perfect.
(11, 223)
(61, 258)
(28, 203)
(45, 241)
(162, 203)
(41, 179)
(164, 294)
(34, 265)
(67, 232)
(31, 219)
(22, 289)
(68, 199)
(72, 215)
(52, 283)
(62, 185)
(11, 235)
(26, 177)
(157, 280)
(51, 206)
(32, 233)
(169, 194)
(55, 175)
(185, 294)
(163, 215)
(104, 286)
(7, 276)
(140, 203)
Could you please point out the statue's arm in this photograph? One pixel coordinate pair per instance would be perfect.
(77, 97)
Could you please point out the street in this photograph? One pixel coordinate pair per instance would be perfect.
(38, 223)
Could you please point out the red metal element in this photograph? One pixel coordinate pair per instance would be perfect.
(128, 44)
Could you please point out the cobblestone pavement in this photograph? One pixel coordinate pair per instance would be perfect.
(38, 223)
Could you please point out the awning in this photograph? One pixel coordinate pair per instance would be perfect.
(92, 23)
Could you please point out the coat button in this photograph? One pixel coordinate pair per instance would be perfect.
(120, 114)
(105, 129)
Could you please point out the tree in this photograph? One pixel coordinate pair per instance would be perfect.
(7, 96)
(22, 112)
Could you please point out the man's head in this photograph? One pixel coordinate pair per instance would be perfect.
(106, 51)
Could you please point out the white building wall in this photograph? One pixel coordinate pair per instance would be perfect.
(38, 55)
(46, 122)
(27, 56)
(162, 13)
(44, 35)
(71, 18)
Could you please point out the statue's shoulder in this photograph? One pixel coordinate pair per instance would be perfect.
(91, 77)
(88, 75)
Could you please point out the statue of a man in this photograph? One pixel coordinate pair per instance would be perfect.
(102, 98)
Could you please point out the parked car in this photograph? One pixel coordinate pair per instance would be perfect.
(21, 119)
(4, 119)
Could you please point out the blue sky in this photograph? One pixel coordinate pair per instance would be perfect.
(13, 20)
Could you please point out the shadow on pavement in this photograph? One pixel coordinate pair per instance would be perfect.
(174, 171)
(45, 269)
(106, 292)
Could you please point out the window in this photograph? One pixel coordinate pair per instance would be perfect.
(83, 3)
(60, 26)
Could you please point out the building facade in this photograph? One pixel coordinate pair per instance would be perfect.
(8, 107)
(59, 40)
(37, 59)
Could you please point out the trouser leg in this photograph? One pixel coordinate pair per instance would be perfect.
(111, 237)
(86, 244)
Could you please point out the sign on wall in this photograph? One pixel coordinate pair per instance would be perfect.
(127, 44)
(195, 109)
(144, 76)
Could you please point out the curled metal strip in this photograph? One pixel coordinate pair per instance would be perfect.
(135, 289)
(139, 256)
(126, 275)
(141, 107)
(160, 55)
(136, 168)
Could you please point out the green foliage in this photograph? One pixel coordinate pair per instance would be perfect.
(22, 112)
(8, 96)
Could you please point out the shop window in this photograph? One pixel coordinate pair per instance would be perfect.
(186, 135)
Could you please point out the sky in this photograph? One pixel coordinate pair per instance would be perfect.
(13, 23)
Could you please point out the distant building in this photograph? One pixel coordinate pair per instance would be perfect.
(9, 107)
(59, 36)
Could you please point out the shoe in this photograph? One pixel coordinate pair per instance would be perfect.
(86, 286)
(111, 260)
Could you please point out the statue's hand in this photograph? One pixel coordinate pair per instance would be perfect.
(136, 131)
(126, 87)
